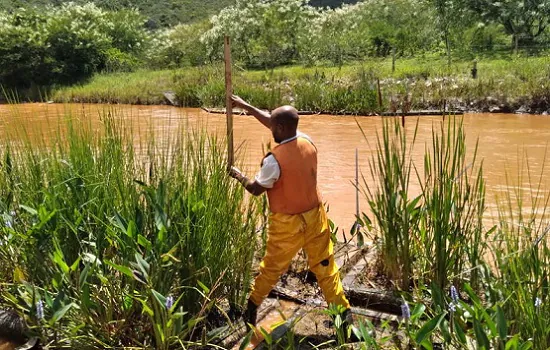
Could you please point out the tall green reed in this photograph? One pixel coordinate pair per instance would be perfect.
(453, 195)
(396, 214)
(438, 235)
(106, 232)
(521, 253)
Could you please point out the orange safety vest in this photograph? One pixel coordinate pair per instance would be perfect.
(296, 189)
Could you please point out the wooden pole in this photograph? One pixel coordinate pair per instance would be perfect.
(379, 93)
(229, 102)
(393, 59)
(357, 184)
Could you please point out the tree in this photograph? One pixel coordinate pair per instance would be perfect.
(371, 27)
(66, 44)
(525, 20)
(265, 32)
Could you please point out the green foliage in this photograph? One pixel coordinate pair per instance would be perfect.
(453, 196)
(396, 215)
(264, 33)
(427, 83)
(24, 50)
(163, 13)
(124, 244)
(66, 44)
(369, 28)
(178, 47)
(525, 20)
(438, 235)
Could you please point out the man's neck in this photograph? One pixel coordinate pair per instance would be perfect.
(289, 138)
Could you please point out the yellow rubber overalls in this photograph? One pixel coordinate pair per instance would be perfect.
(298, 221)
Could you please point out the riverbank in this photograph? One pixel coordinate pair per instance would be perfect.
(514, 84)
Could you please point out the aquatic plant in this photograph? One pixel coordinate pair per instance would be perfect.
(396, 215)
(106, 227)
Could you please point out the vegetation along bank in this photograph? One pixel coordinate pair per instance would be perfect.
(478, 56)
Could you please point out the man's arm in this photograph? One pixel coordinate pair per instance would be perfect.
(253, 187)
(262, 116)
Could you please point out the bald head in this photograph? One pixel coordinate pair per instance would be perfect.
(284, 123)
(287, 116)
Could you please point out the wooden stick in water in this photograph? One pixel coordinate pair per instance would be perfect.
(357, 183)
(229, 102)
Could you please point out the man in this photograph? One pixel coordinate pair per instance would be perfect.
(298, 218)
(12, 333)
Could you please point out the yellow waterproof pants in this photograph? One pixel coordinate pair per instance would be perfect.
(287, 235)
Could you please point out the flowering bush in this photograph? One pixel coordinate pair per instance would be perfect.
(178, 46)
(66, 44)
(265, 33)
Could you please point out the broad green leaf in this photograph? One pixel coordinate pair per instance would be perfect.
(445, 330)
(526, 346)
(28, 209)
(489, 322)
(60, 313)
(501, 324)
(144, 242)
(473, 296)
(58, 259)
(84, 275)
(481, 336)
(246, 340)
(147, 309)
(143, 266)
(159, 331)
(418, 311)
(427, 344)
(123, 269)
(131, 231)
(429, 327)
(512, 343)
(18, 275)
(459, 333)
(75, 265)
(161, 299)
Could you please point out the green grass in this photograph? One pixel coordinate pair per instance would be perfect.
(141, 87)
(103, 231)
(427, 83)
(439, 240)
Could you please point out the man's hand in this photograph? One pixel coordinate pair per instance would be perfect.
(252, 187)
(235, 173)
(263, 117)
(239, 102)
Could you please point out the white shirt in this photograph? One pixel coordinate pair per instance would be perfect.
(270, 171)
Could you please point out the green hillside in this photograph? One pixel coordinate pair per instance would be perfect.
(161, 12)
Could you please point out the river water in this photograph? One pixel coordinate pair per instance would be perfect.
(511, 146)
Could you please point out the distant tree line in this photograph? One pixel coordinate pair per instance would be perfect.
(67, 43)
(158, 13)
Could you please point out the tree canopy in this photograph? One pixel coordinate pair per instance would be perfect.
(160, 13)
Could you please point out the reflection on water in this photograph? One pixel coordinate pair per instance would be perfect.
(509, 145)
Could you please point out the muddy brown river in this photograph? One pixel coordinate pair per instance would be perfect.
(510, 144)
